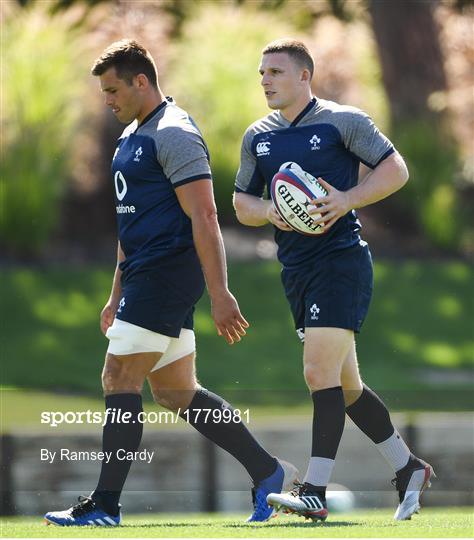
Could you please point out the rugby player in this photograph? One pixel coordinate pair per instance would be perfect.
(169, 248)
(327, 278)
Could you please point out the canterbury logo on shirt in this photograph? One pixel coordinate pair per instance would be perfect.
(263, 149)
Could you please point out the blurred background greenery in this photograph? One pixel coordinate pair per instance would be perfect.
(410, 68)
(416, 344)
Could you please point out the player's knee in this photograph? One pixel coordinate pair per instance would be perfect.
(312, 378)
(162, 398)
(318, 378)
(351, 395)
(116, 379)
(109, 377)
(174, 399)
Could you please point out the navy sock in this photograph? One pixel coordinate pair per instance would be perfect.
(234, 437)
(371, 416)
(328, 421)
(118, 435)
(328, 425)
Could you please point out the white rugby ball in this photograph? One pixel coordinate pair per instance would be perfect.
(292, 191)
(339, 498)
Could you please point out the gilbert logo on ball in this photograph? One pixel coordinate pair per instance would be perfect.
(292, 191)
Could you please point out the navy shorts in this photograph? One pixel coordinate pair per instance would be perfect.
(162, 299)
(331, 292)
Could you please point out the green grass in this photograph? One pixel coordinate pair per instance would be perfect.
(419, 325)
(431, 523)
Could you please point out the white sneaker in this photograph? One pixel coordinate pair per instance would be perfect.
(410, 482)
(300, 501)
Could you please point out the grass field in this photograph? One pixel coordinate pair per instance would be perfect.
(416, 347)
(431, 523)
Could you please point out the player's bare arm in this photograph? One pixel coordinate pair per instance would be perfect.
(363, 172)
(107, 315)
(255, 212)
(387, 178)
(197, 200)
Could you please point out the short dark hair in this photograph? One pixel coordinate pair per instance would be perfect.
(129, 59)
(297, 50)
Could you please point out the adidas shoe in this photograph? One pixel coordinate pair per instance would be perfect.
(410, 482)
(84, 513)
(282, 478)
(301, 501)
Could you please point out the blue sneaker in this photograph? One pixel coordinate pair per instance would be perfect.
(84, 513)
(283, 478)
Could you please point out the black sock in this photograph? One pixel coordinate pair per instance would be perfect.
(371, 416)
(118, 435)
(234, 437)
(328, 425)
(328, 421)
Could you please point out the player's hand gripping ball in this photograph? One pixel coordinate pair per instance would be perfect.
(292, 191)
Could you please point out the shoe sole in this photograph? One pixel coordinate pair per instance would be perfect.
(319, 515)
(291, 476)
(48, 522)
(315, 515)
(414, 508)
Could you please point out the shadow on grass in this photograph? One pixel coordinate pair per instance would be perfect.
(255, 526)
(162, 525)
(302, 525)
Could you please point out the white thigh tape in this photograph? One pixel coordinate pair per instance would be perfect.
(127, 338)
(182, 346)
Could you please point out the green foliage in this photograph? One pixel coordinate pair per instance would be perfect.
(40, 103)
(214, 75)
(433, 162)
(418, 330)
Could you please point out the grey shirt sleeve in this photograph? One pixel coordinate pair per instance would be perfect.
(248, 179)
(183, 155)
(362, 137)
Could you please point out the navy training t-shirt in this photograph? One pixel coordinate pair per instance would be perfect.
(151, 160)
(327, 140)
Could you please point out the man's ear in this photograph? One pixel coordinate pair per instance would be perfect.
(306, 76)
(141, 80)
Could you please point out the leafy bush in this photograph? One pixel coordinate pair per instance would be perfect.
(431, 194)
(214, 75)
(39, 108)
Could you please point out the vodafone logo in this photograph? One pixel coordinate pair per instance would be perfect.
(120, 185)
(121, 191)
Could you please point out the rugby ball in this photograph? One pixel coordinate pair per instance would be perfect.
(292, 191)
(339, 498)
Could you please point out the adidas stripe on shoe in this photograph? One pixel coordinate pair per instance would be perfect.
(82, 514)
(300, 501)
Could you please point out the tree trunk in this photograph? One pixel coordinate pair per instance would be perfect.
(410, 54)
